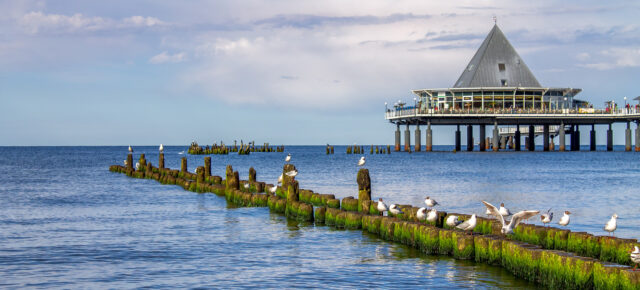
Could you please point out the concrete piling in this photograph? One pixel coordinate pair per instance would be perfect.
(407, 139)
(496, 137)
(610, 139)
(517, 138)
(637, 136)
(418, 146)
(429, 141)
(545, 137)
(397, 147)
(627, 137)
(575, 139)
(469, 138)
(562, 137)
(457, 137)
(592, 138)
(483, 141)
(532, 138)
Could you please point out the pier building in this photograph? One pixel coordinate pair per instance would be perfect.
(497, 88)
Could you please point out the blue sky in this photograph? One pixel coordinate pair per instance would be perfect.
(285, 72)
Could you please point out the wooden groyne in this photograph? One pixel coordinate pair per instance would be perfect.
(554, 258)
(372, 149)
(243, 149)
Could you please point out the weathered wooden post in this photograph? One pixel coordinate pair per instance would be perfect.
(183, 164)
(200, 175)
(286, 180)
(252, 175)
(207, 166)
(130, 161)
(364, 188)
(142, 161)
(161, 161)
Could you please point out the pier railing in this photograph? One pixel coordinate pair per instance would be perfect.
(408, 112)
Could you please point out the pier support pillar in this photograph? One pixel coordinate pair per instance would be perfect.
(517, 137)
(545, 137)
(503, 142)
(637, 137)
(552, 145)
(483, 132)
(509, 143)
(397, 148)
(609, 139)
(429, 137)
(532, 138)
(457, 147)
(496, 137)
(627, 137)
(592, 138)
(575, 139)
(407, 139)
(561, 136)
(469, 138)
(418, 146)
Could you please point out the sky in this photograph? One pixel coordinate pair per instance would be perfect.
(285, 72)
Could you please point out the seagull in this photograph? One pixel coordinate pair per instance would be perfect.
(161, 148)
(547, 217)
(430, 202)
(565, 219)
(125, 162)
(468, 225)
(246, 185)
(361, 161)
(181, 152)
(421, 213)
(488, 212)
(612, 224)
(432, 215)
(130, 149)
(382, 207)
(452, 221)
(137, 165)
(394, 209)
(280, 178)
(288, 158)
(515, 220)
(273, 189)
(292, 173)
(503, 210)
(635, 257)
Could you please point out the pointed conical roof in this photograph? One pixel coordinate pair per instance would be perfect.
(496, 64)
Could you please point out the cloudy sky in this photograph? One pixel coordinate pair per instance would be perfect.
(292, 72)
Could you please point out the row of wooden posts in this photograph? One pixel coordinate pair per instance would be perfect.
(552, 257)
(372, 150)
(243, 149)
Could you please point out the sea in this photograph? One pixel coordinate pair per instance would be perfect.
(67, 222)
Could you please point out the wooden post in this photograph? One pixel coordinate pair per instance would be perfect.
(207, 166)
(183, 164)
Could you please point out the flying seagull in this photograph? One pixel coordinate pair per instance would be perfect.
(515, 220)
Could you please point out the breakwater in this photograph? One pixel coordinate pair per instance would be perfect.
(372, 149)
(536, 259)
(242, 149)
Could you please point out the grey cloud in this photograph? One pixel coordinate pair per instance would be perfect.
(311, 21)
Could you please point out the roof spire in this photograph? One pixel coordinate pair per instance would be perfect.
(495, 20)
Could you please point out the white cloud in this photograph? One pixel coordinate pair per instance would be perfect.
(138, 21)
(619, 57)
(38, 22)
(166, 57)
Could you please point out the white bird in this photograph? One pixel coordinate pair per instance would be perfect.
(432, 215)
(361, 161)
(430, 202)
(292, 173)
(137, 165)
(515, 220)
(246, 185)
(488, 212)
(161, 148)
(565, 219)
(130, 149)
(612, 224)
(125, 162)
(273, 189)
(288, 158)
(382, 207)
(635, 257)
(503, 210)
(547, 217)
(394, 209)
(453, 221)
(181, 152)
(469, 224)
(280, 178)
(421, 214)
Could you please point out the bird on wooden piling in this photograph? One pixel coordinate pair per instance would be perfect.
(137, 165)
(612, 224)
(288, 158)
(547, 217)
(432, 215)
(430, 202)
(394, 209)
(503, 210)
(515, 220)
(246, 186)
(361, 161)
(421, 214)
(469, 224)
(565, 219)
(161, 148)
(273, 189)
(635, 257)
(292, 173)
(453, 221)
(125, 162)
(382, 207)
(280, 178)
(130, 149)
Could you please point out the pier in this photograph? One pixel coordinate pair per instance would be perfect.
(551, 257)
(497, 89)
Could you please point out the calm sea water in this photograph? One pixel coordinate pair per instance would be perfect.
(67, 222)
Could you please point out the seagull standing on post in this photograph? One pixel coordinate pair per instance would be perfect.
(452, 221)
(565, 219)
(432, 215)
(361, 161)
(468, 225)
(288, 158)
(547, 217)
(612, 224)
(382, 207)
(421, 214)
(130, 149)
(394, 209)
(292, 173)
(503, 210)
(430, 202)
(161, 148)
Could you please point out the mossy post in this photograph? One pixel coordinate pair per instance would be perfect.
(161, 161)
(364, 187)
(292, 191)
(207, 166)
(143, 162)
(252, 175)
(228, 173)
(286, 180)
(183, 164)
(200, 175)
(130, 161)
